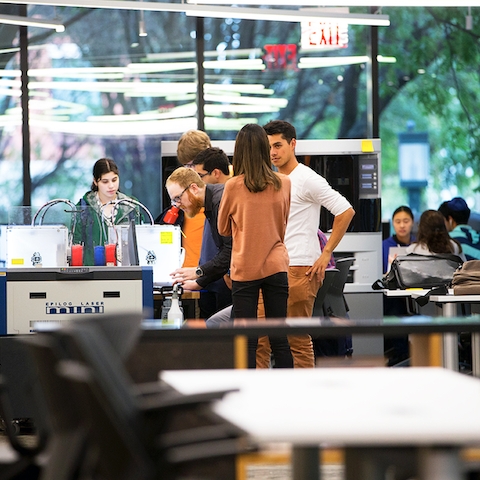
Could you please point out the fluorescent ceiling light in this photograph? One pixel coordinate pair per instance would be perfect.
(276, 15)
(239, 100)
(382, 59)
(31, 22)
(142, 32)
(107, 4)
(244, 64)
(239, 52)
(315, 62)
(268, 14)
(345, 3)
(320, 62)
(145, 68)
(220, 110)
(227, 124)
(241, 88)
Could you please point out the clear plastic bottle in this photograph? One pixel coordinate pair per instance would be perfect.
(175, 314)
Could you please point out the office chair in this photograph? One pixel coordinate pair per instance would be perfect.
(124, 424)
(330, 275)
(21, 408)
(335, 305)
(22, 463)
(67, 437)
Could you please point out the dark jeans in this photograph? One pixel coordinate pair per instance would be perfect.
(275, 295)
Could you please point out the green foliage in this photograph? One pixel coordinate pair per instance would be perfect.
(435, 83)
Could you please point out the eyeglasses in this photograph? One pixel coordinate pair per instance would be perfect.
(201, 175)
(178, 198)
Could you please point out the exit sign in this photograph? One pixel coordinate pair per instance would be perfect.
(324, 35)
(280, 56)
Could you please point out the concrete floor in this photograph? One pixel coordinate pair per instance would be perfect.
(282, 472)
(254, 472)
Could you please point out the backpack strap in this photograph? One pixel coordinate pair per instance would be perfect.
(423, 300)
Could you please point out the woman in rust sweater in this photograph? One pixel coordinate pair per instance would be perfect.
(254, 211)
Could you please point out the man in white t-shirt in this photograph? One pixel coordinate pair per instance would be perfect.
(310, 192)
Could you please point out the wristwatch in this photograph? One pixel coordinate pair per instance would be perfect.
(199, 272)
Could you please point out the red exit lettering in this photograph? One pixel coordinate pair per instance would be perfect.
(324, 34)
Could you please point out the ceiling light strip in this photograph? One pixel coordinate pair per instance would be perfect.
(271, 14)
(267, 14)
(345, 3)
(31, 22)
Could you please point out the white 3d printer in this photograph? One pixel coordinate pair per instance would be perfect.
(39, 284)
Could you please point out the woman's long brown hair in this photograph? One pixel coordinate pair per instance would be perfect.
(251, 158)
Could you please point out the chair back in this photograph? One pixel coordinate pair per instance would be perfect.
(334, 304)
(127, 431)
(330, 275)
(21, 398)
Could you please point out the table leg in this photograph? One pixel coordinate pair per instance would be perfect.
(450, 351)
(476, 354)
(448, 309)
(306, 463)
(439, 464)
(379, 463)
(426, 350)
(450, 340)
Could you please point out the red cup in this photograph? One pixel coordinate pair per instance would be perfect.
(110, 255)
(76, 259)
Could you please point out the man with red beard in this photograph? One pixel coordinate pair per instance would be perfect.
(190, 193)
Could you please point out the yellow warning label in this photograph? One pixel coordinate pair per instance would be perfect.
(166, 238)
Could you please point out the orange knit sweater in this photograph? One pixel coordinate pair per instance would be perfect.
(257, 223)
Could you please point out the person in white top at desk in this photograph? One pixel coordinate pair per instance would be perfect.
(433, 237)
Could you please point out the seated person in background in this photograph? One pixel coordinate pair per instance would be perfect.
(396, 349)
(457, 214)
(433, 237)
(90, 227)
(402, 222)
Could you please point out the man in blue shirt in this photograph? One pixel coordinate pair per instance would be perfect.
(457, 214)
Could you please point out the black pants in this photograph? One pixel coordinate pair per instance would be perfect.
(275, 295)
(214, 298)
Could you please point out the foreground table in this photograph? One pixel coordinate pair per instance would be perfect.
(431, 412)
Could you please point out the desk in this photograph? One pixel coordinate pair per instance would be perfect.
(186, 295)
(446, 347)
(434, 412)
(406, 293)
(189, 301)
(446, 305)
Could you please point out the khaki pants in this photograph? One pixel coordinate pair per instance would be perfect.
(301, 297)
